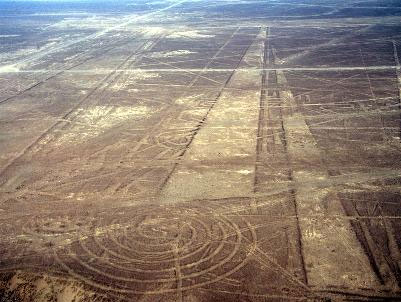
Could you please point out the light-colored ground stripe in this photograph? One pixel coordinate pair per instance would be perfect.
(220, 161)
(398, 71)
(332, 253)
(181, 70)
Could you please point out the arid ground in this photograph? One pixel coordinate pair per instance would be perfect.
(200, 151)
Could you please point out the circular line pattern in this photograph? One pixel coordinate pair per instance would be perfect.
(159, 250)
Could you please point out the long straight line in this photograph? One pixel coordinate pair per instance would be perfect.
(96, 34)
(203, 120)
(262, 104)
(58, 72)
(66, 116)
(216, 55)
(105, 70)
(398, 72)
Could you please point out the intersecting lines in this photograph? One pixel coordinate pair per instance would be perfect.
(156, 250)
(139, 252)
